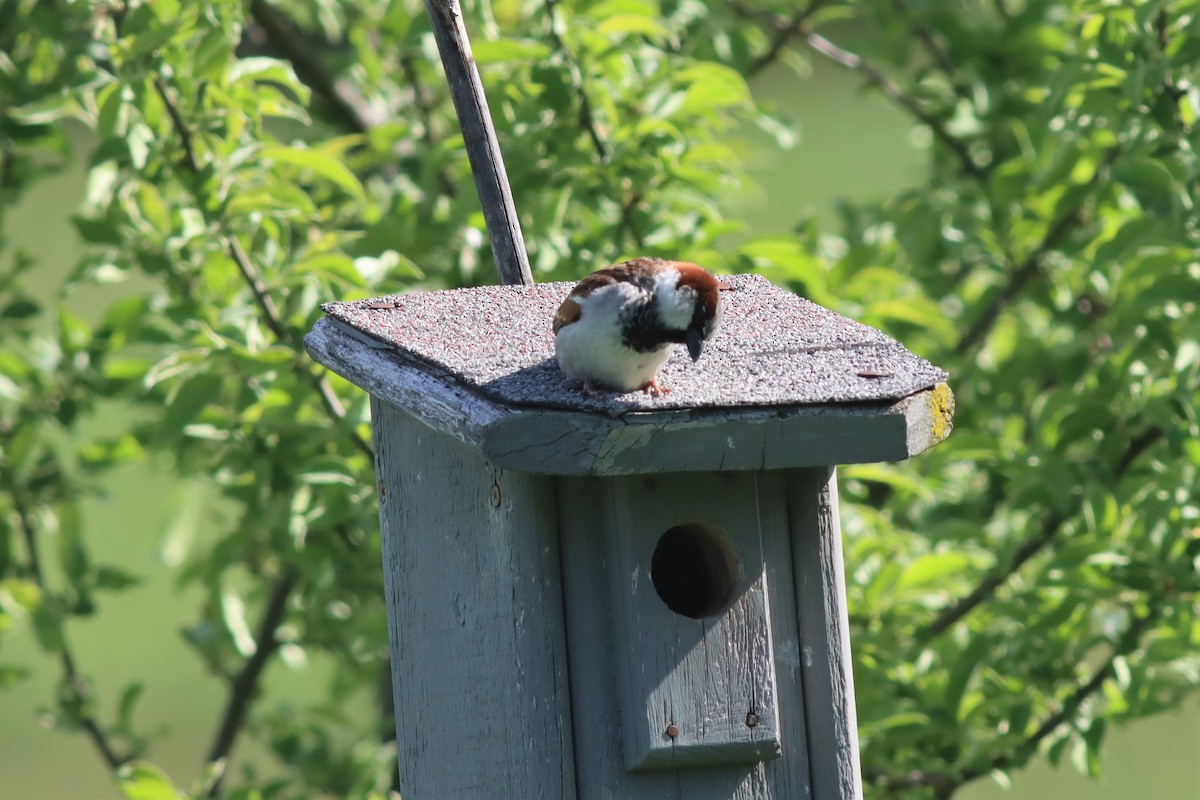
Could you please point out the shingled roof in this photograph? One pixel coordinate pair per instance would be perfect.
(476, 363)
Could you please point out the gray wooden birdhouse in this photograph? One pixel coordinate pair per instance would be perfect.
(622, 596)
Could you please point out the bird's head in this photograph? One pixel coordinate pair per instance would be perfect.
(689, 304)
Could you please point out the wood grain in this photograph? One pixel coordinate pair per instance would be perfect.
(824, 633)
(636, 666)
(471, 572)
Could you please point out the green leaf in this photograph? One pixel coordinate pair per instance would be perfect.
(933, 568)
(18, 595)
(321, 164)
(48, 628)
(187, 403)
(1187, 355)
(115, 579)
(233, 612)
(13, 674)
(45, 111)
(212, 54)
(129, 698)
(633, 24)
(150, 40)
(71, 550)
(141, 780)
(509, 50)
(1153, 184)
(21, 308)
(97, 231)
(712, 86)
(259, 69)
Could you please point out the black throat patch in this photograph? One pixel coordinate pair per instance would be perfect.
(642, 330)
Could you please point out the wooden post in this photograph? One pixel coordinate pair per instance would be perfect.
(595, 597)
(479, 137)
(825, 630)
(470, 559)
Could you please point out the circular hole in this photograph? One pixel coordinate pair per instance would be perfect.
(695, 570)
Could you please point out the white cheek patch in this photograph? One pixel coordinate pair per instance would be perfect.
(676, 304)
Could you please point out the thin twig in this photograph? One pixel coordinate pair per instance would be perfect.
(936, 52)
(627, 223)
(1125, 645)
(479, 136)
(408, 66)
(424, 108)
(586, 118)
(1031, 546)
(1050, 529)
(1018, 280)
(349, 107)
(245, 683)
(76, 684)
(889, 87)
(181, 127)
(785, 29)
(258, 289)
(1137, 445)
(945, 784)
(1032, 265)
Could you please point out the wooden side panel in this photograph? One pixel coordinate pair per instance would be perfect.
(824, 633)
(471, 568)
(636, 666)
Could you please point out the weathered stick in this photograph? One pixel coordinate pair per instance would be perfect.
(487, 165)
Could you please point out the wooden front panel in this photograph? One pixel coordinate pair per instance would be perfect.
(727, 685)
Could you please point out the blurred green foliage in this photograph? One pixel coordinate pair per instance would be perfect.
(1013, 592)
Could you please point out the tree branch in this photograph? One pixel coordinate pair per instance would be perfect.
(245, 683)
(785, 29)
(1031, 546)
(876, 77)
(349, 107)
(939, 56)
(76, 684)
(945, 784)
(181, 128)
(586, 118)
(1126, 644)
(1051, 527)
(258, 289)
(1032, 265)
(1019, 279)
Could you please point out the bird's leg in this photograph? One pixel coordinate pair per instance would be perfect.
(654, 388)
(590, 388)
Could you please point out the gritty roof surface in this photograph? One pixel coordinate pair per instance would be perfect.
(771, 348)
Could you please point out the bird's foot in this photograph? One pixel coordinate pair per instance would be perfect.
(654, 388)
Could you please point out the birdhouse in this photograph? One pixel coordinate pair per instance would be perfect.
(622, 596)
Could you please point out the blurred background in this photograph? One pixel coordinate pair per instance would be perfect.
(851, 145)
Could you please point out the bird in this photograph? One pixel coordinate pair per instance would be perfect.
(615, 329)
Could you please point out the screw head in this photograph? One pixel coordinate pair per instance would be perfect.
(494, 494)
(751, 720)
(672, 730)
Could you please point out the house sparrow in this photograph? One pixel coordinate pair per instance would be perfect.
(616, 327)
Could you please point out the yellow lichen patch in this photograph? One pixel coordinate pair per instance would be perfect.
(941, 406)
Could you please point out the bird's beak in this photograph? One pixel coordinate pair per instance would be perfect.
(695, 343)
